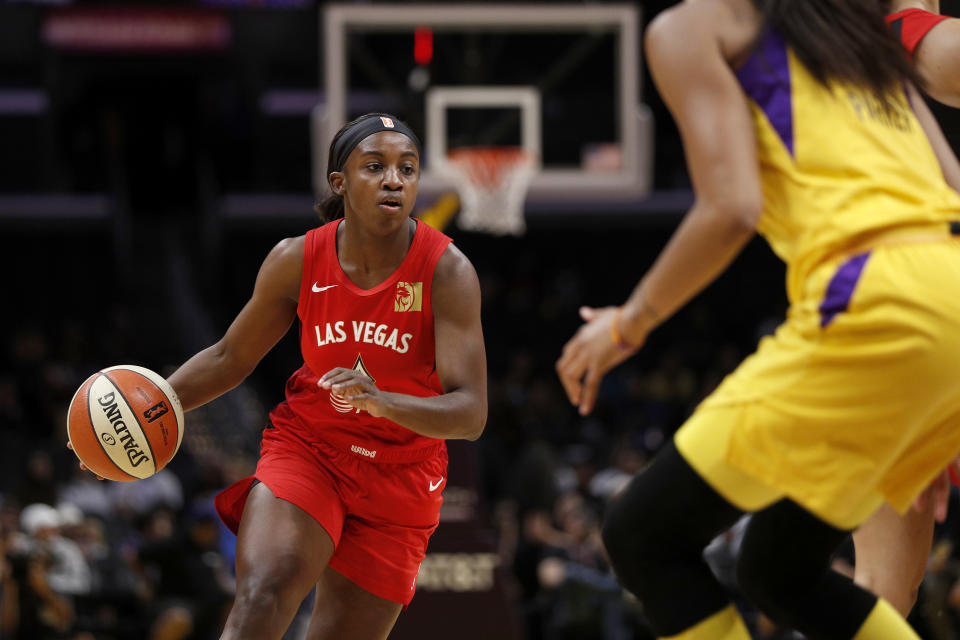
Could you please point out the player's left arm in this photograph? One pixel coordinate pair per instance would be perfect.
(461, 410)
(687, 51)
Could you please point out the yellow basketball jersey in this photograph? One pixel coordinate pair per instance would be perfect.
(836, 166)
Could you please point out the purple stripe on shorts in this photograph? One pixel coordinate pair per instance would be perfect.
(765, 78)
(841, 287)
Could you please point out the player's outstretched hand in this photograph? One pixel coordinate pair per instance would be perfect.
(83, 467)
(588, 355)
(357, 389)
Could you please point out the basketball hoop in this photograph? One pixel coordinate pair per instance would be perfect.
(492, 183)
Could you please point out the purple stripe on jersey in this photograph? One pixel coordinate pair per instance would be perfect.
(841, 287)
(765, 78)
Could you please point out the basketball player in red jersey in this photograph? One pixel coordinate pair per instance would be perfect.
(347, 490)
(892, 550)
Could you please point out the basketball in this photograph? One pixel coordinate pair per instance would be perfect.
(125, 423)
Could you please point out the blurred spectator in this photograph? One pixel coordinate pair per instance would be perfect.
(161, 490)
(68, 573)
(535, 492)
(191, 582)
(40, 612)
(627, 460)
(583, 598)
(87, 493)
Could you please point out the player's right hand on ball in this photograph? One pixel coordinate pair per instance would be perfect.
(83, 467)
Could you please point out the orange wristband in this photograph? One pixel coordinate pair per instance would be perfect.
(615, 332)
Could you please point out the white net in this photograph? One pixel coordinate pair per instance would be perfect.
(492, 184)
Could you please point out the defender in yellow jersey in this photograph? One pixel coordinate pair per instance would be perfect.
(799, 121)
(853, 197)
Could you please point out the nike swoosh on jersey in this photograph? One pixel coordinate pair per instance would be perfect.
(434, 487)
(317, 289)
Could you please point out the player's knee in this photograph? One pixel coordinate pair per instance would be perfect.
(263, 589)
(625, 544)
(767, 575)
(638, 554)
(255, 600)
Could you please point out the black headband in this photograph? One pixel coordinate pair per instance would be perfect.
(363, 129)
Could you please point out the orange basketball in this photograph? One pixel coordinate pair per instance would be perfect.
(125, 423)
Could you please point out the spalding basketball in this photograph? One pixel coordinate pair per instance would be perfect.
(125, 423)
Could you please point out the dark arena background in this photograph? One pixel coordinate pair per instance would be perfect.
(151, 154)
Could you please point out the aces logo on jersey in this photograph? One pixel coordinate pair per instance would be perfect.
(339, 402)
(409, 296)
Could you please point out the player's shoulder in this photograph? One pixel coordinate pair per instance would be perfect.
(291, 243)
(717, 16)
(283, 266)
(456, 288)
(453, 267)
(431, 235)
(733, 25)
(289, 249)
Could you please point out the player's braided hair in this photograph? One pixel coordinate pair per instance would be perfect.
(843, 40)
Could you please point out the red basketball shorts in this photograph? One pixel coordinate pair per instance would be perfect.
(379, 515)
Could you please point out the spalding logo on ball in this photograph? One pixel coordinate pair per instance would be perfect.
(125, 423)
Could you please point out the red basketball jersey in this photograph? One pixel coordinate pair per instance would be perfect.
(911, 25)
(386, 332)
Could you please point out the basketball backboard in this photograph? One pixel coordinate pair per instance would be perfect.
(562, 81)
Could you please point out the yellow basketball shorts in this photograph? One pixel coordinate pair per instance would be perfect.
(854, 400)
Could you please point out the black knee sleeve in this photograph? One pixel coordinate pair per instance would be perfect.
(784, 568)
(655, 534)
